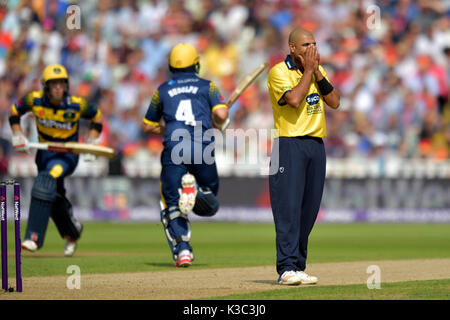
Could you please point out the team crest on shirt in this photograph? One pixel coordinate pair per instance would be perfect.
(70, 114)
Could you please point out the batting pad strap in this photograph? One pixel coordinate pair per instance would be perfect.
(173, 239)
(172, 215)
(177, 240)
(182, 239)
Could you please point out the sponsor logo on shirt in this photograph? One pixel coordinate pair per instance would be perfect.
(55, 124)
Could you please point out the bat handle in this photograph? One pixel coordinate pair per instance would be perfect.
(225, 125)
(37, 145)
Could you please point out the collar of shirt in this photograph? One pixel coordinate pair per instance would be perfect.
(180, 75)
(290, 63)
(63, 104)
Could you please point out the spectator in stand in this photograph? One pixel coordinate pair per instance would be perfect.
(398, 71)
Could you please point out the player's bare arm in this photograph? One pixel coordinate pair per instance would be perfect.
(220, 116)
(309, 62)
(95, 127)
(19, 141)
(16, 129)
(14, 120)
(153, 129)
(333, 98)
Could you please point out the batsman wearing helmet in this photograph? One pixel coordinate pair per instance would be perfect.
(189, 106)
(57, 115)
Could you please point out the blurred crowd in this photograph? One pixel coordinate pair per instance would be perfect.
(389, 59)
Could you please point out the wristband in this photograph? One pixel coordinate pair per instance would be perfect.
(324, 86)
(14, 120)
(96, 126)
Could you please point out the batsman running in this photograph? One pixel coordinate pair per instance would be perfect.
(189, 106)
(57, 116)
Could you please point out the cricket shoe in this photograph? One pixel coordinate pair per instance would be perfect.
(184, 260)
(289, 278)
(30, 245)
(306, 278)
(70, 247)
(187, 194)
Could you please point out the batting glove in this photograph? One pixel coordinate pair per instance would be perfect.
(20, 142)
(89, 157)
(224, 125)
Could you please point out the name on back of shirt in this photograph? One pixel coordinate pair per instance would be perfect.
(186, 89)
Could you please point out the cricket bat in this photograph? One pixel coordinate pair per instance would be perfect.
(244, 83)
(74, 147)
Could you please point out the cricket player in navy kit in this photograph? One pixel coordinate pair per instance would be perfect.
(298, 88)
(57, 116)
(189, 106)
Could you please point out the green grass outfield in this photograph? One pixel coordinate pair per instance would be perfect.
(133, 247)
(411, 290)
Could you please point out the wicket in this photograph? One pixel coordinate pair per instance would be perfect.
(4, 235)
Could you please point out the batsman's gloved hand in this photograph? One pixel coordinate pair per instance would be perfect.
(89, 157)
(224, 125)
(20, 142)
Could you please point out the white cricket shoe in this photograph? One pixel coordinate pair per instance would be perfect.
(187, 194)
(69, 248)
(306, 278)
(184, 260)
(30, 245)
(289, 278)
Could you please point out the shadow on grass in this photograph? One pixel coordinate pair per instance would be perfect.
(172, 265)
(44, 256)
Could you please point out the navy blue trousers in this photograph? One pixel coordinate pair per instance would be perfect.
(40, 212)
(205, 175)
(295, 195)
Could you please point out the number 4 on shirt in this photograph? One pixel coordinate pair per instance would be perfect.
(184, 112)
